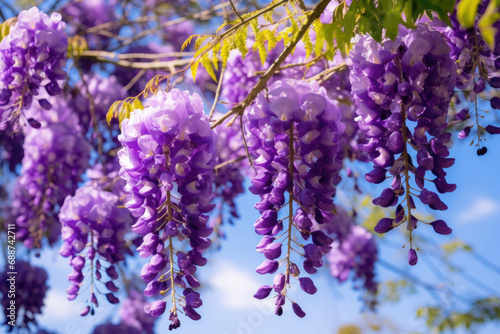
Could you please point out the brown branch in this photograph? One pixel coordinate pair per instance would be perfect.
(101, 56)
(327, 74)
(217, 92)
(119, 56)
(232, 161)
(315, 60)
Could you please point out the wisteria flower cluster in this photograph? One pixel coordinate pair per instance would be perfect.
(32, 56)
(92, 222)
(478, 65)
(354, 253)
(241, 74)
(29, 286)
(293, 134)
(168, 157)
(402, 82)
(132, 312)
(229, 174)
(55, 157)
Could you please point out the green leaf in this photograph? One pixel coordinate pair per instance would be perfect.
(466, 12)
(324, 33)
(391, 23)
(442, 7)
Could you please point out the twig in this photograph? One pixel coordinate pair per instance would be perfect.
(245, 141)
(232, 161)
(170, 64)
(217, 92)
(284, 67)
(136, 78)
(240, 108)
(235, 11)
(95, 53)
(327, 74)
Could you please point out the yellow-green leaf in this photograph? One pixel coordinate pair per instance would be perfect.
(137, 104)
(307, 44)
(466, 12)
(187, 42)
(485, 24)
(224, 53)
(112, 112)
(194, 69)
(205, 61)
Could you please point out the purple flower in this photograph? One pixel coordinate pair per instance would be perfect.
(412, 257)
(156, 308)
(441, 227)
(28, 297)
(298, 310)
(307, 285)
(132, 313)
(402, 89)
(384, 225)
(267, 267)
(273, 251)
(92, 217)
(167, 160)
(32, 54)
(263, 292)
(494, 130)
(294, 138)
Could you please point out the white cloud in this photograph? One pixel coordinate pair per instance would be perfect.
(234, 287)
(479, 209)
(58, 307)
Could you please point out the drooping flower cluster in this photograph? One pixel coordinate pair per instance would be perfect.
(132, 313)
(32, 56)
(103, 92)
(478, 62)
(401, 85)
(28, 285)
(240, 76)
(338, 87)
(293, 134)
(92, 217)
(354, 252)
(230, 175)
(11, 150)
(168, 157)
(91, 101)
(55, 157)
(478, 65)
